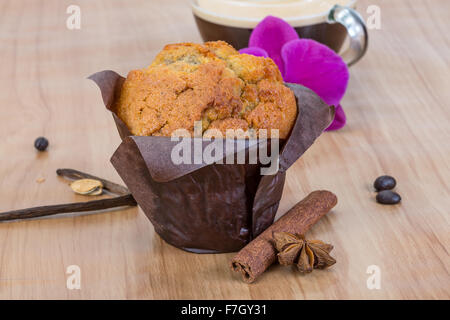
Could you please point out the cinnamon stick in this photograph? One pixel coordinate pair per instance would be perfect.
(260, 253)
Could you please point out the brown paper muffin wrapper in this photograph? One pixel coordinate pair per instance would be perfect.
(209, 208)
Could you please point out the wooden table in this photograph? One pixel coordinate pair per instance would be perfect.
(398, 123)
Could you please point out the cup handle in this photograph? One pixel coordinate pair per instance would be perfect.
(356, 30)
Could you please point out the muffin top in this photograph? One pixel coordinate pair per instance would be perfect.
(211, 83)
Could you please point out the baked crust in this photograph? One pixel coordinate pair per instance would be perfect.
(211, 83)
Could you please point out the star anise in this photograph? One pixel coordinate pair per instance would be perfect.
(307, 254)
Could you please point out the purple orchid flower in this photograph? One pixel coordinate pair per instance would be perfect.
(303, 61)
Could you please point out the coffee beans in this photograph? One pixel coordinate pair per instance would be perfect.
(41, 143)
(383, 186)
(384, 183)
(388, 197)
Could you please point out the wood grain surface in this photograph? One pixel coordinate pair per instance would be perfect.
(398, 113)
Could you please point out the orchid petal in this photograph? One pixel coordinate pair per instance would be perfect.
(255, 51)
(271, 34)
(339, 119)
(316, 67)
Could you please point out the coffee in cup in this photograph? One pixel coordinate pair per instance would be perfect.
(326, 21)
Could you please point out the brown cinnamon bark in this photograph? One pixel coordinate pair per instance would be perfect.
(260, 253)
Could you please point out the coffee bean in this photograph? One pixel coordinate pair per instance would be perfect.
(384, 183)
(388, 197)
(41, 143)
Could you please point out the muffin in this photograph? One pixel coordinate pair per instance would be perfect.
(211, 83)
